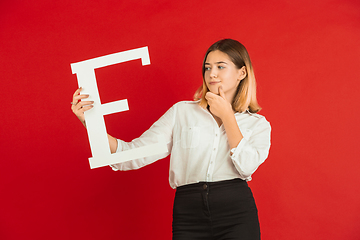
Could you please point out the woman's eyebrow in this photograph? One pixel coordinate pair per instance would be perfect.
(216, 63)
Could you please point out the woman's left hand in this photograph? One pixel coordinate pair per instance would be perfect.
(219, 105)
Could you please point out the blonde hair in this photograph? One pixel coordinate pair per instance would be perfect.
(245, 96)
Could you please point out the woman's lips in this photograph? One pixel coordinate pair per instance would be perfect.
(213, 83)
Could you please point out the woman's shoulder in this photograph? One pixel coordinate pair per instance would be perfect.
(256, 115)
(186, 108)
(186, 104)
(252, 117)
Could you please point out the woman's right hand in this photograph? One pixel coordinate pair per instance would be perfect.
(79, 107)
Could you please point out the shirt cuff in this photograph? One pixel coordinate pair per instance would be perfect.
(235, 151)
(119, 145)
(118, 149)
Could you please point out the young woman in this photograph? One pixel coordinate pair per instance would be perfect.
(216, 143)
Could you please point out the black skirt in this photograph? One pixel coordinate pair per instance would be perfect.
(215, 210)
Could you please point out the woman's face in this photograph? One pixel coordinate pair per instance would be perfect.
(221, 71)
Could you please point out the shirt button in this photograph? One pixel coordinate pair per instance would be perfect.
(214, 149)
(205, 186)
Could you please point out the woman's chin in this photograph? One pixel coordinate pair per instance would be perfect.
(214, 91)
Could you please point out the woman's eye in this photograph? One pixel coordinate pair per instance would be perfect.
(221, 67)
(207, 68)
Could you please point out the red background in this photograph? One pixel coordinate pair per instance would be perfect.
(306, 56)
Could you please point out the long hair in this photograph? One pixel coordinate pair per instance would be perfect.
(245, 96)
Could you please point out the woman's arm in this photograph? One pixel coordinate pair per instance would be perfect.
(79, 107)
(222, 110)
(253, 149)
(160, 131)
(232, 130)
(112, 143)
(246, 154)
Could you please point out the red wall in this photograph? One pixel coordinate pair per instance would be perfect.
(306, 56)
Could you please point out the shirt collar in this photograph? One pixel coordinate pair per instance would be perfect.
(248, 112)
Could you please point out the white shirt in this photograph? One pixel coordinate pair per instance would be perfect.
(199, 148)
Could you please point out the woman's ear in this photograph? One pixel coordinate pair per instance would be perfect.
(242, 73)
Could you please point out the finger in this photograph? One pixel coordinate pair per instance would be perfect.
(210, 95)
(221, 92)
(210, 102)
(82, 104)
(77, 91)
(79, 109)
(79, 97)
(86, 108)
(208, 99)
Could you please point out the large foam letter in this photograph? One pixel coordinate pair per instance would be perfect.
(85, 72)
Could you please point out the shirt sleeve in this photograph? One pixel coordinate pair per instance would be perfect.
(161, 129)
(252, 150)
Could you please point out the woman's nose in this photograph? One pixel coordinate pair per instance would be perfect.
(213, 74)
